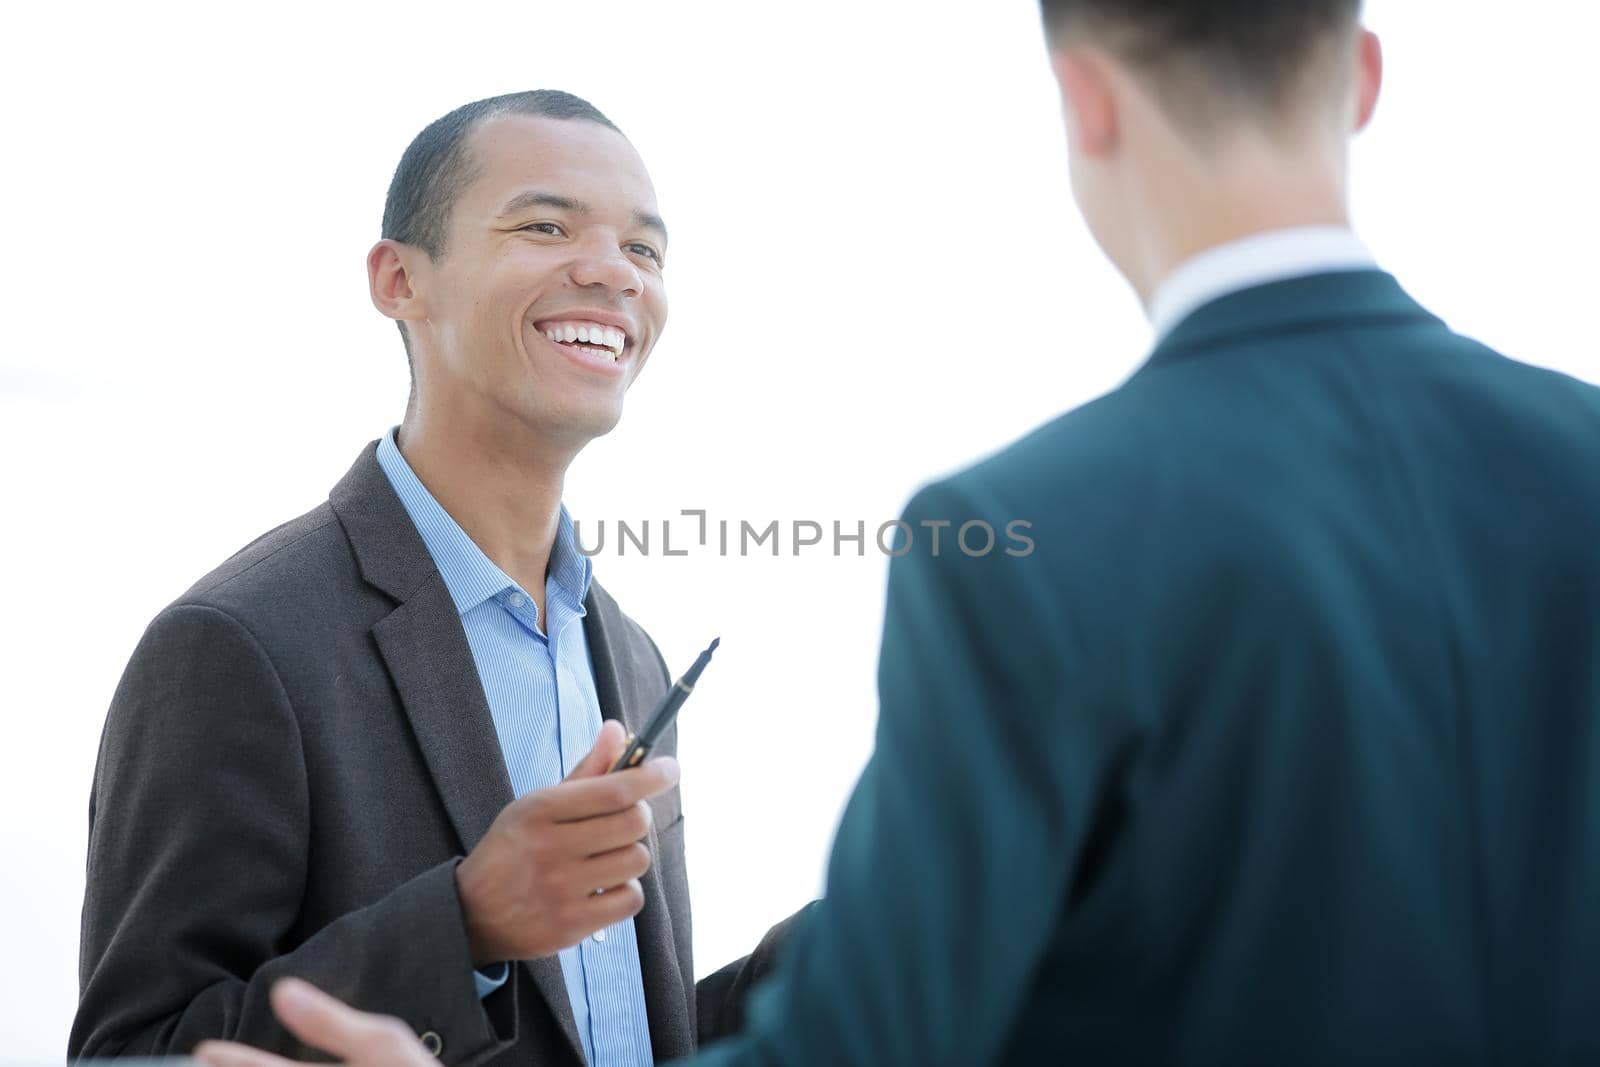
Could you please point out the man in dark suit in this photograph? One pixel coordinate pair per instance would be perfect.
(1283, 745)
(307, 743)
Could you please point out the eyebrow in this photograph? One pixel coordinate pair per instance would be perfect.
(651, 222)
(533, 198)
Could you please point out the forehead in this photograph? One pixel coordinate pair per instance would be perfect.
(568, 157)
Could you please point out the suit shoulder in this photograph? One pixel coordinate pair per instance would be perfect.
(1098, 438)
(1563, 394)
(293, 559)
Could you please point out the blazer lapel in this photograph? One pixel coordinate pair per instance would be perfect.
(671, 1032)
(426, 651)
(425, 648)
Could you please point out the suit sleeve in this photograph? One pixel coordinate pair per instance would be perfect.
(199, 834)
(721, 997)
(951, 865)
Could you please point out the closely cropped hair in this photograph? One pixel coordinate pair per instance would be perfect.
(436, 167)
(1250, 51)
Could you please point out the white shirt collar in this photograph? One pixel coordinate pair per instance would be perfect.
(1255, 260)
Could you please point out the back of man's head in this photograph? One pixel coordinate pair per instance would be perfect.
(1192, 123)
(1207, 59)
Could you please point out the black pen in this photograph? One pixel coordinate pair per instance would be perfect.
(639, 744)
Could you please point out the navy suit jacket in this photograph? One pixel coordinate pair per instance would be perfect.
(1281, 746)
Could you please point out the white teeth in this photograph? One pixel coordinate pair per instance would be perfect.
(607, 338)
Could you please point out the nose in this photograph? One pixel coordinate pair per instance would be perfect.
(602, 263)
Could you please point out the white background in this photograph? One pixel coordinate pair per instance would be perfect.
(876, 275)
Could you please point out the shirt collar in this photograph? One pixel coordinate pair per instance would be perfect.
(469, 575)
(1250, 261)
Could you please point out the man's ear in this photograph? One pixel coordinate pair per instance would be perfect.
(1087, 100)
(1369, 77)
(389, 280)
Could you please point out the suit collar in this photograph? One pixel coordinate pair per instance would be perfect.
(390, 553)
(1308, 302)
(471, 576)
(1256, 259)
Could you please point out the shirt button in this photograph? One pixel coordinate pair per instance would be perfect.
(517, 600)
(599, 935)
(432, 1042)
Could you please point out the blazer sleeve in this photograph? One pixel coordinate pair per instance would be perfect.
(951, 865)
(199, 832)
(721, 997)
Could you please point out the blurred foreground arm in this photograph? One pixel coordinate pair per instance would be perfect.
(358, 1038)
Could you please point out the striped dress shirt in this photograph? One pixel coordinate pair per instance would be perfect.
(541, 694)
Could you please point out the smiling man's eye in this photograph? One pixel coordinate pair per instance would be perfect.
(645, 250)
(544, 227)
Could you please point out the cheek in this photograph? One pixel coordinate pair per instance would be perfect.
(656, 301)
(656, 314)
(517, 276)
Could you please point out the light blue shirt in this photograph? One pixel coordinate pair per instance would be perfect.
(540, 688)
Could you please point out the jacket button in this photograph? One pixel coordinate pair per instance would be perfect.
(433, 1042)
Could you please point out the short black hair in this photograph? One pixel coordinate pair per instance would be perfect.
(1250, 51)
(437, 166)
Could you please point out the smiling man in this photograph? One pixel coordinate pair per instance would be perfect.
(369, 749)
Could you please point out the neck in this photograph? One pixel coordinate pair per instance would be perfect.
(502, 488)
(1198, 204)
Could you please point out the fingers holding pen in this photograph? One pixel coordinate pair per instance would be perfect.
(602, 833)
(616, 903)
(528, 888)
(611, 869)
(560, 852)
(579, 886)
(587, 798)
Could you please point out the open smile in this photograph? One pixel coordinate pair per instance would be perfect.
(592, 342)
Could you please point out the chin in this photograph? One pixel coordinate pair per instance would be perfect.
(600, 429)
(595, 422)
(569, 424)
